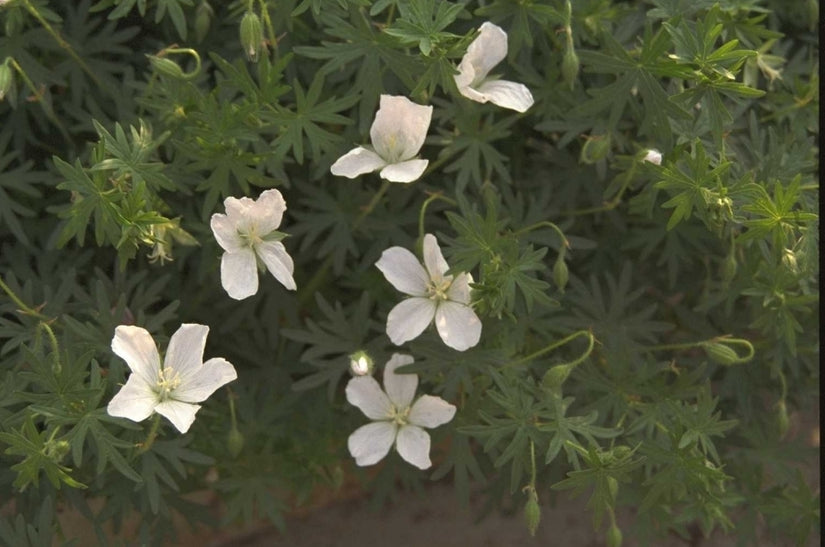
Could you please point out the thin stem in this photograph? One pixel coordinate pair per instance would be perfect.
(57, 365)
(544, 224)
(433, 197)
(23, 307)
(270, 30)
(554, 345)
(150, 438)
(38, 96)
(609, 205)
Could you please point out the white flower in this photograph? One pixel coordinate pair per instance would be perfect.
(397, 419)
(397, 135)
(434, 296)
(247, 232)
(653, 156)
(173, 390)
(486, 51)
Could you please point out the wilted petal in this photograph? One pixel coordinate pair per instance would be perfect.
(413, 444)
(357, 162)
(239, 274)
(458, 325)
(135, 346)
(267, 211)
(487, 50)
(429, 411)
(506, 94)
(472, 94)
(180, 414)
(409, 319)
(399, 129)
(405, 171)
(278, 262)
(403, 271)
(365, 393)
(202, 382)
(433, 259)
(185, 351)
(459, 290)
(370, 443)
(226, 232)
(135, 400)
(400, 387)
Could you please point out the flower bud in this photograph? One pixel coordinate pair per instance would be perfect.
(360, 364)
(595, 149)
(203, 20)
(729, 267)
(167, 67)
(555, 377)
(560, 272)
(720, 353)
(782, 419)
(252, 35)
(614, 536)
(613, 488)
(570, 66)
(653, 156)
(532, 512)
(6, 78)
(234, 442)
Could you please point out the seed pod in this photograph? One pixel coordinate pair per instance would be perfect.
(167, 67)
(532, 512)
(570, 66)
(729, 267)
(252, 35)
(595, 149)
(613, 488)
(782, 419)
(614, 536)
(720, 353)
(555, 377)
(203, 20)
(560, 272)
(234, 442)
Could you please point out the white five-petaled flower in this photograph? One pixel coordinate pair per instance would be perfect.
(487, 50)
(248, 232)
(174, 389)
(398, 420)
(445, 298)
(397, 135)
(653, 156)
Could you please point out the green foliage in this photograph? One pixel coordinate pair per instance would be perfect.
(693, 279)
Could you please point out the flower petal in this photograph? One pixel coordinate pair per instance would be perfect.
(185, 351)
(357, 161)
(278, 262)
(237, 209)
(458, 325)
(459, 290)
(399, 129)
(472, 94)
(507, 94)
(226, 232)
(201, 383)
(370, 443)
(267, 211)
(239, 274)
(135, 346)
(433, 259)
(400, 387)
(487, 50)
(135, 400)
(365, 393)
(413, 444)
(180, 414)
(429, 411)
(405, 171)
(409, 319)
(403, 271)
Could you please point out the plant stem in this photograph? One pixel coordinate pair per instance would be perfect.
(554, 345)
(150, 437)
(544, 224)
(38, 95)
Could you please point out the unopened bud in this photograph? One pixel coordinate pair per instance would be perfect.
(614, 536)
(782, 419)
(234, 442)
(595, 149)
(720, 353)
(532, 512)
(555, 377)
(167, 67)
(570, 66)
(613, 488)
(653, 156)
(560, 272)
(203, 20)
(252, 35)
(6, 78)
(729, 267)
(360, 364)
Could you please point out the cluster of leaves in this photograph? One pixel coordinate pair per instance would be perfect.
(694, 281)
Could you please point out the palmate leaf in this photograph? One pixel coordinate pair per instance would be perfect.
(131, 157)
(423, 22)
(15, 183)
(174, 9)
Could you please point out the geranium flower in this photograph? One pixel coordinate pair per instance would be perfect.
(247, 233)
(172, 390)
(433, 296)
(398, 420)
(397, 135)
(487, 50)
(653, 156)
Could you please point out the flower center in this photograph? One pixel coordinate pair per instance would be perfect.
(399, 416)
(250, 237)
(168, 381)
(437, 290)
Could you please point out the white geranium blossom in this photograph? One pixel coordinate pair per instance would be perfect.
(653, 156)
(397, 135)
(487, 50)
(247, 232)
(433, 296)
(397, 420)
(171, 390)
